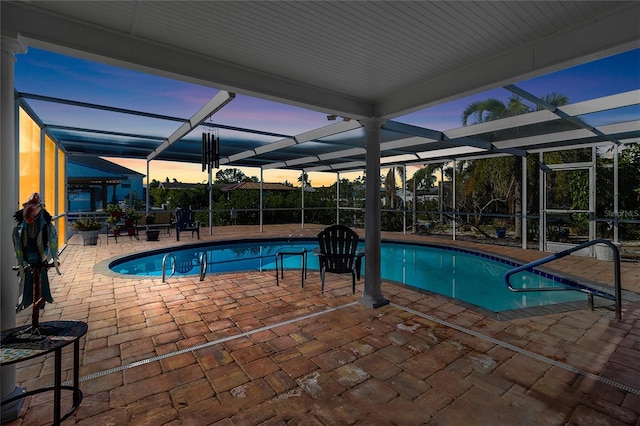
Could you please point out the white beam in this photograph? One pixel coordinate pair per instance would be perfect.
(240, 156)
(349, 164)
(318, 169)
(273, 146)
(401, 158)
(274, 166)
(322, 132)
(537, 140)
(330, 130)
(214, 105)
(342, 154)
(448, 152)
(302, 160)
(405, 143)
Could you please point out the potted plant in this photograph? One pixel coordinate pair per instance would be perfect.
(153, 235)
(131, 216)
(114, 210)
(112, 220)
(89, 229)
(501, 228)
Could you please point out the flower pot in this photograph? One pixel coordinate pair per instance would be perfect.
(153, 235)
(604, 252)
(501, 233)
(90, 238)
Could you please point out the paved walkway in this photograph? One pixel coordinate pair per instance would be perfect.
(235, 349)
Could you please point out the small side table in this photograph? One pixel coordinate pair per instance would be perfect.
(291, 251)
(17, 346)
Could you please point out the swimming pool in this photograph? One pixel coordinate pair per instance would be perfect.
(469, 276)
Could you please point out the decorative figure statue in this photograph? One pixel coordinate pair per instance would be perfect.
(35, 241)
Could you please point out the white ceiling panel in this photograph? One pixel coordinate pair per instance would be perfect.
(351, 58)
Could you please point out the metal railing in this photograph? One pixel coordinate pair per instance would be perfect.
(203, 265)
(164, 266)
(578, 287)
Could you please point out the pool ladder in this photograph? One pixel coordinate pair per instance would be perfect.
(590, 291)
(203, 266)
(164, 266)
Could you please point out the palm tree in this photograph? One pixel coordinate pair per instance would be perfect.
(304, 179)
(487, 110)
(390, 187)
(493, 109)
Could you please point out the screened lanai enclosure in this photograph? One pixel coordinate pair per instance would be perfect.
(548, 178)
(497, 121)
(514, 123)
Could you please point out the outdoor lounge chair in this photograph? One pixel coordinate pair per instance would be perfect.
(186, 221)
(338, 253)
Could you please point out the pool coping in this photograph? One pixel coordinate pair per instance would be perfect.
(103, 267)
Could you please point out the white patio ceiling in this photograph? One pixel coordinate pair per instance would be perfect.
(348, 59)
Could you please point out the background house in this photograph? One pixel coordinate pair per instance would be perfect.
(93, 183)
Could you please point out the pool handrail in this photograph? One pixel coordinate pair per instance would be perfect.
(590, 291)
(164, 266)
(203, 265)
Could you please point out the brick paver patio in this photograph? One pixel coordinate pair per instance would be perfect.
(235, 349)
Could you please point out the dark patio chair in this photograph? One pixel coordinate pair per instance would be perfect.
(185, 263)
(338, 253)
(186, 221)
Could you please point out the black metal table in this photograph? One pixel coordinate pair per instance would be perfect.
(291, 251)
(19, 344)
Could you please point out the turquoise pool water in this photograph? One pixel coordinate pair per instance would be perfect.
(472, 277)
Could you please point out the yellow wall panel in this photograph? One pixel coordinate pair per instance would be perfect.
(62, 196)
(31, 169)
(49, 175)
(29, 159)
(62, 182)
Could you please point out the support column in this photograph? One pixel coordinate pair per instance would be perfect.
(523, 203)
(616, 193)
(415, 206)
(147, 196)
(261, 188)
(592, 196)
(542, 204)
(372, 296)
(441, 194)
(338, 198)
(455, 202)
(210, 188)
(302, 199)
(9, 153)
(404, 202)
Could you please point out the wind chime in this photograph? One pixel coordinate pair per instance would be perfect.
(210, 149)
(210, 159)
